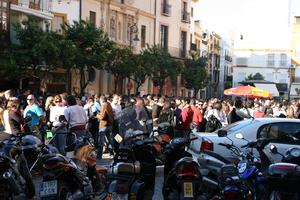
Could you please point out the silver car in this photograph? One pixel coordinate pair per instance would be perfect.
(285, 133)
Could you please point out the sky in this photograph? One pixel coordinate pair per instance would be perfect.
(263, 23)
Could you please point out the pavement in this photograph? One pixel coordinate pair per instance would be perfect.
(106, 161)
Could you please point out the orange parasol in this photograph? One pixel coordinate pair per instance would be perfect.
(247, 92)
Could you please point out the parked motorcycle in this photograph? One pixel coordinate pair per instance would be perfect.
(221, 178)
(66, 178)
(280, 179)
(15, 180)
(181, 172)
(132, 172)
(163, 134)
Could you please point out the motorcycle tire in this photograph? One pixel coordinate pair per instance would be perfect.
(29, 187)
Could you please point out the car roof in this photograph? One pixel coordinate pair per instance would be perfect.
(272, 120)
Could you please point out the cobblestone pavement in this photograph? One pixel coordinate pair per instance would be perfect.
(106, 162)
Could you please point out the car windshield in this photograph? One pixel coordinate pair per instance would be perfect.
(238, 125)
(134, 119)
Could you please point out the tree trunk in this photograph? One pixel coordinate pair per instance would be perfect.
(138, 85)
(161, 85)
(68, 81)
(83, 82)
(196, 90)
(116, 78)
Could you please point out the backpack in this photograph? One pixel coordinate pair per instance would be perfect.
(212, 124)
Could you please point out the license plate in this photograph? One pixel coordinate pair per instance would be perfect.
(48, 188)
(188, 189)
(116, 196)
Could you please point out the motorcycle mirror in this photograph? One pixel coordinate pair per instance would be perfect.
(222, 133)
(273, 149)
(239, 136)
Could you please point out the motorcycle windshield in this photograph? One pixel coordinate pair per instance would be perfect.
(134, 120)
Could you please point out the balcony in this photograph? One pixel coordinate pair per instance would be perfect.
(185, 16)
(166, 9)
(177, 52)
(38, 8)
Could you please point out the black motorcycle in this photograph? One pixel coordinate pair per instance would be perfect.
(15, 180)
(132, 172)
(181, 172)
(66, 178)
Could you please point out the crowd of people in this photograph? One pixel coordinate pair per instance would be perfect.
(98, 115)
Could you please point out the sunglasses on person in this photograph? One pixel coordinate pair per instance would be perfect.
(30, 99)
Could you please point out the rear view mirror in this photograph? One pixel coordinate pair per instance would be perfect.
(222, 133)
(273, 149)
(239, 136)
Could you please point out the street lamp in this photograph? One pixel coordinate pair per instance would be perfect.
(133, 29)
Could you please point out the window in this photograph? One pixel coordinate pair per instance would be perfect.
(164, 32)
(165, 8)
(57, 24)
(112, 29)
(122, 1)
(93, 17)
(143, 36)
(183, 42)
(271, 59)
(287, 133)
(119, 31)
(192, 12)
(283, 59)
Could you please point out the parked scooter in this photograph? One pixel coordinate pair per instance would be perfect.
(66, 178)
(221, 178)
(181, 172)
(132, 172)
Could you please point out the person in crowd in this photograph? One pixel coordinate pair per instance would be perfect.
(56, 112)
(218, 113)
(233, 116)
(156, 109)
(115, 104)
(76, 117)
(258, 111)
(166, 114)
(186, 116)
(269, 113)
(197, 115)
(36, 113)
(106, 117)
(13, 119)
(88, 107)
(49, 103)
(23, 99)
(279, 110)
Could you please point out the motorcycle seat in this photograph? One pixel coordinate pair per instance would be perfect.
(217, 156)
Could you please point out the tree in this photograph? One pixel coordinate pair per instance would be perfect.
(162, 65)
(120, 63)
(257, 76)
(194, 73)
(91, 48)
(35, 48)
(140, 72)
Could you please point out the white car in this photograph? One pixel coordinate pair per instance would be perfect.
(285, 133)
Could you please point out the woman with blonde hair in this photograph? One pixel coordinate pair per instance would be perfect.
(13, 119)
(49, 103)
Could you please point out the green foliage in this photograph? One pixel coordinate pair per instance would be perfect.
(161, 63)
(194, 72)
(140, 72)
(257, 76)
(35, 48)
(88, 46)
(8, 67)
